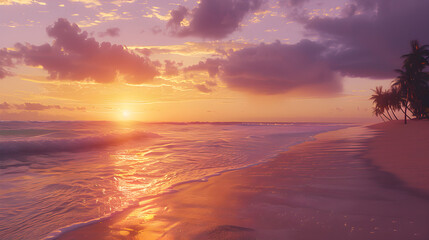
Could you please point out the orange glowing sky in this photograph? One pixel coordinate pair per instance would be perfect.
(186, 60)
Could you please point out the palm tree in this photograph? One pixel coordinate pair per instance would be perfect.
(416, 61)
(396, 100)
(402, 86)
(409, 90)
(393, 101)
(377, 112)
(412, 81)
(380, 101)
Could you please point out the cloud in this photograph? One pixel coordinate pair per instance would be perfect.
(171, 68)
(75, 56)
(293, 3)
(211, 66)
(156, 30)
(20, 2)
(214, 48)
(211, 19)
(5, 61)
(4, 106)
(279, 68)
(110, 32)
(177, 17)
(367, 40)
(370, 37)
(96, 3)
(211, 83)
(202, 88)
(37, 107)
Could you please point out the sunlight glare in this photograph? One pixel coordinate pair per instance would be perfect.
(126, 114)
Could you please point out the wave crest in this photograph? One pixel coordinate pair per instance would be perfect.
(22, 147)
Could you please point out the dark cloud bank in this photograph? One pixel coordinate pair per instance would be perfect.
(369, 44)
(366, 41)
(277, 68)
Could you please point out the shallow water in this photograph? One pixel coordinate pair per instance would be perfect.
(56, 174)
(324, 189)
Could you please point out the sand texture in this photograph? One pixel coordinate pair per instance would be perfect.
(404, 151)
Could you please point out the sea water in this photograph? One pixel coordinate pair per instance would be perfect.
(59, 174)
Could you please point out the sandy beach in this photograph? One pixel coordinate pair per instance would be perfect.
(323, 189)
(404, 151)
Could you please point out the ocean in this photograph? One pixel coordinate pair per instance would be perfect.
(56, 176)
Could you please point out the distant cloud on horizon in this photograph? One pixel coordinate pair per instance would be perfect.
(37, 107)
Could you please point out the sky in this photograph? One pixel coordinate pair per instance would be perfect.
(206, 60)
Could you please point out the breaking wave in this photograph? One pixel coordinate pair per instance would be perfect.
(40, 146)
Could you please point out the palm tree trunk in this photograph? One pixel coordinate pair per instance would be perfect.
(406, 107)
(405, 113)
(411, 111)
(389, 114)
(394, 113)
(386, 117)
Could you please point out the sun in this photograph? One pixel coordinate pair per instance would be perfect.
(126, 114)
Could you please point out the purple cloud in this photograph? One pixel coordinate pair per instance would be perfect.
(211, 83)
(35, 107)
(177, 16)
(211, 65)
(156, 30)
(279, 68)
(4, 106)
(110, 32)
(366, 41)
(145, 51)
(203, 88)
(75, 56)
(372, 35)
(212, 19)
(38, 107)
(5, 61)
(293, 3)
(171, 68)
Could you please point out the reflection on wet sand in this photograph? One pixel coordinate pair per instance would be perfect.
(318, 190)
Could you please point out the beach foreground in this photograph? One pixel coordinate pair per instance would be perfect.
(404, 151)
(324, 189)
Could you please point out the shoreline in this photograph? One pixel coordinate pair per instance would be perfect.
(58, 233)
(245, 203)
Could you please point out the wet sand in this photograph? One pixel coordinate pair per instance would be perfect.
(323, 189)
(404, 151)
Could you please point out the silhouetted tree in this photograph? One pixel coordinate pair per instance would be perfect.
(414, 63)
(379, 98)
(411, 85)
(393, 101)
